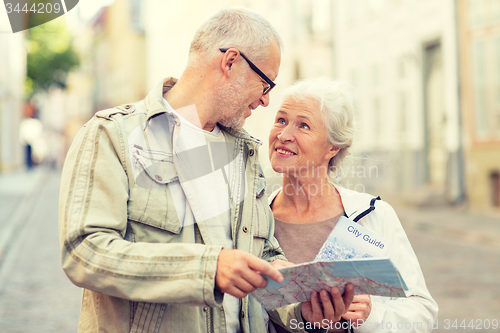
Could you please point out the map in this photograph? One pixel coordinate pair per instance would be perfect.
(372, 276)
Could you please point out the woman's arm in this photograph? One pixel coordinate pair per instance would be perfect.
(418, 309)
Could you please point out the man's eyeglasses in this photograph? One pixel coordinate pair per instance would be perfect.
(258, 71)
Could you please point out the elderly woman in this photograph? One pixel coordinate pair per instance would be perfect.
(312, 133)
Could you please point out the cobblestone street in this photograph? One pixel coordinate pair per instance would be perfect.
(35, 294)
(458, 251)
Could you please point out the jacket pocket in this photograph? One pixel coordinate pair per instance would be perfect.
(150, 200)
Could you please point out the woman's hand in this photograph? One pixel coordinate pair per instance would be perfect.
(330, 309)
(359, 310)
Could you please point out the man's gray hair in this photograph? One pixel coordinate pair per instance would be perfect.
(238, 27)
(335, 100)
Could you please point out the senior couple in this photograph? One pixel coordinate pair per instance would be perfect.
(164, 218)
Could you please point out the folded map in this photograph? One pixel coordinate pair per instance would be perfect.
(372, 276)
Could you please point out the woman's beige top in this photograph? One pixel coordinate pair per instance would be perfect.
(301, 242)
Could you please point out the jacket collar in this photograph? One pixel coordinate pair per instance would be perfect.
(355, 203)
(241, 134)
(154, 100)
(155, 106)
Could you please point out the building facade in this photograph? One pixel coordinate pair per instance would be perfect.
(12, 74)
(113, 63)
(479, 38)
(401, 56)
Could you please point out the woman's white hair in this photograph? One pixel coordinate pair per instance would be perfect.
(335, 100)
(237, 27)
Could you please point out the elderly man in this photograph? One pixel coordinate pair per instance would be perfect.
(164, 219)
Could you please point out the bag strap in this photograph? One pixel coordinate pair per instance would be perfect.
(368, 211)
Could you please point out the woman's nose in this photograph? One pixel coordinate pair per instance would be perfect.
(286, 134)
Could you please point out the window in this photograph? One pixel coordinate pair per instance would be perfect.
(484, 13)
(375, 76)
(497, 84)
(374, 84)
(377, 123)
(495, 11)
(376, 6)
(402, 97)
(486, 84)
(321, 16)
(479, 81)
(476, 13)
(402, 111)
(401, 69)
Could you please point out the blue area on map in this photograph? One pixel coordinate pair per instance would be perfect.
(333, 249)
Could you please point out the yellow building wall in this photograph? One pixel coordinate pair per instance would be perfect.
(482, 152)
(125, 56)
(482, 163)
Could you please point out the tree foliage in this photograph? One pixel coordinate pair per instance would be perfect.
(50, 56)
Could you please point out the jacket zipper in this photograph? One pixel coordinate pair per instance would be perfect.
(239, 216)
(209, 321)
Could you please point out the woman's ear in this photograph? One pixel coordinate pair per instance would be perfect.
(332, 152)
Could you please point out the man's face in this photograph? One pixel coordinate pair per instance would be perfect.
(230, 104)
(245, 93)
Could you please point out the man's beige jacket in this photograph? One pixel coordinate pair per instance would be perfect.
(140, 267)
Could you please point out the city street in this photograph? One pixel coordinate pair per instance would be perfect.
(458, 251)
(408, 91)
(460, 257)
(35, 294)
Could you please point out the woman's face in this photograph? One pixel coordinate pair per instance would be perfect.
(298, 142)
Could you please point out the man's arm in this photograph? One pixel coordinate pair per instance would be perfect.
(93, 223)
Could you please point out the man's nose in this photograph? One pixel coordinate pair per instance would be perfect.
(264, 100)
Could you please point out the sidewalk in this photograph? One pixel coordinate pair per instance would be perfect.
(459, 254)
(457, 222)
(18, 190)
(35, 294)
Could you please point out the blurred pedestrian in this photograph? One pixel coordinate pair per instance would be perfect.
(31, 136)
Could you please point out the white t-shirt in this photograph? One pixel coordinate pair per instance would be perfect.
(212, 188)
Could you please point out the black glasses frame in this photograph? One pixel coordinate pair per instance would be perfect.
(258, 71)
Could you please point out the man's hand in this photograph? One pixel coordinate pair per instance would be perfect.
(331, 309)
(278, 263)
(239, 273)
(360, 308)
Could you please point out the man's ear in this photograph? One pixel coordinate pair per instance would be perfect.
(229, 58)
